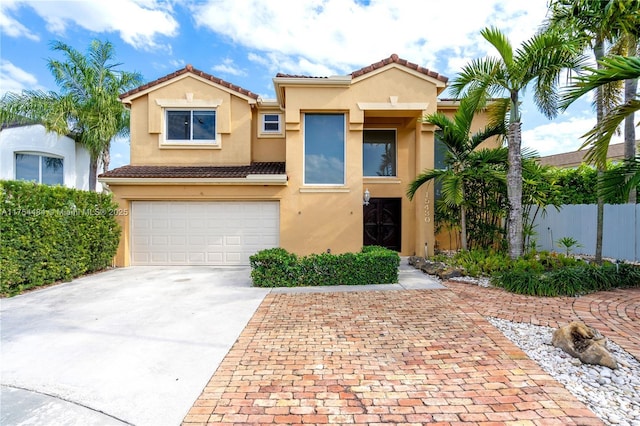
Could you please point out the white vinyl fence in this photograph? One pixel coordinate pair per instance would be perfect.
(621, 238)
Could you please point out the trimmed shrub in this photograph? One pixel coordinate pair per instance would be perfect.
(274, 267)
(53, 233)
(279, 268)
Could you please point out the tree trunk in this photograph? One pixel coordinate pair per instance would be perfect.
(599, 53)
(514, 190)
(93, 174)
(630, 88)
(463, 226)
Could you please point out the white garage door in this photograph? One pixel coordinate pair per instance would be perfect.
(201, 233)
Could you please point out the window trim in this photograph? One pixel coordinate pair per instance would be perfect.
(40, 156)
(189, 143)
(264, 133)
(395, 131)
(344, 151)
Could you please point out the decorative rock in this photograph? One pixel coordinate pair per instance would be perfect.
(447, 273)
(584, 343)
(439, 269)
(612, 402)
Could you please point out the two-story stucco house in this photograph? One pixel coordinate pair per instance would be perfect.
(217, 173)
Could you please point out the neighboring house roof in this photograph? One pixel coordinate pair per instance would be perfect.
(189, 69)
(575, 158)
(195, 172)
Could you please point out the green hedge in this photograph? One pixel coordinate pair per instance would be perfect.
(279, 268)
(52, 233)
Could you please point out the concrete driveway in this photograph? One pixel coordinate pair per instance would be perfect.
(127, 346)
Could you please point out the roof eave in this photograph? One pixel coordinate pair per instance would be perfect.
(252, 179)
(128, 99)
(280, 83)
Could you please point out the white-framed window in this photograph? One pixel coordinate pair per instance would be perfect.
(190, 126)
(324, 149)
(379, 152)
(271, 123)
(40, 168)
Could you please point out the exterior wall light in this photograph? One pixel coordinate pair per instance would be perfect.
(366, 197)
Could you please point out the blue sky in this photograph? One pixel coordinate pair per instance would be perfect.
(247, 42)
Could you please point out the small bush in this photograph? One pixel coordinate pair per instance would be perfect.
(52, 233)
(279, 268)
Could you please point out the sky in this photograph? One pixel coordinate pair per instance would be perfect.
(247, 42)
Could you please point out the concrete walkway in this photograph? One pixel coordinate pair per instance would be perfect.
(128, 346)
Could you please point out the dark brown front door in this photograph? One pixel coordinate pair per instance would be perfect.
(382, 223)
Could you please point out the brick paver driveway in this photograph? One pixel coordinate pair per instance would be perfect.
(402, 357)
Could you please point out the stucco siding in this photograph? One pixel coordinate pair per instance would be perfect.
(34, 139)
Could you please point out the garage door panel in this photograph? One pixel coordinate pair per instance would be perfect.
(214, 233)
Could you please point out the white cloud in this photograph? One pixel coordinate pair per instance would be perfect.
(15, 79)
(338, 36)
(562, 135)
(138, 22)
(228, 67)
(9, 26)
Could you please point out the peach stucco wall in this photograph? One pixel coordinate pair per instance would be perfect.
(233, 121)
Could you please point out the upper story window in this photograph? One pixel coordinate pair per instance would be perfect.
(324, 149)
(271, 123)
(379, 152)
(40, 168)
(191, 126)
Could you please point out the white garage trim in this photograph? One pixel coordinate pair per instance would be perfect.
(202, 232)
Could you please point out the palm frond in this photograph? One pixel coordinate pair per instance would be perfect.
(478, 81)
(500, 41)
(615, 68)
(618, 183)
(423, 178)
(598, 138)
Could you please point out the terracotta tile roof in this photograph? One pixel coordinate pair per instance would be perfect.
(192, 70)
(391, 59)
(297, 76)
(178, 172)
(395, 59)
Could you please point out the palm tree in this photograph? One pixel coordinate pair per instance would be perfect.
(539, 61)
(460, 144)
(597, 22)
(612, 69)
(87, 107)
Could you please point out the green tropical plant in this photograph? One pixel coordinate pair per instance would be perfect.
(568, 243)
(616, 68)
(87, 105)
(539, 61)
(461, 144)
(596, 23)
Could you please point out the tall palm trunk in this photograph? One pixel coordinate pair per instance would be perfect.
(463, 222)
(630, 89)
(514, 189)
(93, 173)
(598, 51)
